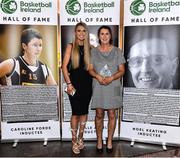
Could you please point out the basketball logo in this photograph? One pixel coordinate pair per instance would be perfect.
(73, 7)
(8, 6)
(138, 7)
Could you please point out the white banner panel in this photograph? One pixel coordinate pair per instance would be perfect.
(151, 12)
(94, 13)
(30, 131)
(29, 112)
(101, 12)
(150, 133)
(151, 103)
(89, 132)
(34, 12)
(155, 108)
(25, 118)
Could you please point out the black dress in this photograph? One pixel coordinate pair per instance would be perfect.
(82, 82)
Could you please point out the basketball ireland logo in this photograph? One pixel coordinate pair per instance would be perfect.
(137, 7)
(8, 6)
(73, 7)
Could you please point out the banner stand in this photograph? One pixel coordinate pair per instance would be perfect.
(163, 144)
(45, 142)
(15, 143)
(132, 142)
(150, 109)
(28, 114)
(110, 15)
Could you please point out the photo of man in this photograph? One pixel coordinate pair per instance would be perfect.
(152, 57)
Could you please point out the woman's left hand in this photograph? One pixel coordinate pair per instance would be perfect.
(108, 80)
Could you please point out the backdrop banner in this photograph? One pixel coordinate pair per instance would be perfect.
(94, 13)
(29, 111)
(151, 100)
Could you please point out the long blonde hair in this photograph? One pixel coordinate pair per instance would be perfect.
(75, 49)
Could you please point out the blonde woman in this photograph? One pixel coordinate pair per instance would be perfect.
(79, 83)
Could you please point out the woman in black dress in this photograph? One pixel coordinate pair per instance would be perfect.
(78, 80)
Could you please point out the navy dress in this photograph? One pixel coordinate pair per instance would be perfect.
(82, 82)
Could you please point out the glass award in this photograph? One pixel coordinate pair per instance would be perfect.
(105, 71)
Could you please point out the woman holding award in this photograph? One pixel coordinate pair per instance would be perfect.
(107, 68)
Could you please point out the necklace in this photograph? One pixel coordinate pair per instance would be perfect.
(81, 50)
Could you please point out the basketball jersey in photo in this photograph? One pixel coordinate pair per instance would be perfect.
(24, 74)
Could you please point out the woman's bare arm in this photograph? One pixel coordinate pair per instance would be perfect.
(6, 67)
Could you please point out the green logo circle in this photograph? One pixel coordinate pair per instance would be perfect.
(137, 7)
(73, 7)
(8, 6)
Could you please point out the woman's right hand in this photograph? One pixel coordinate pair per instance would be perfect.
(70, 89)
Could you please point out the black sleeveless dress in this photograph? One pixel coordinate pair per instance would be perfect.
(82, 82)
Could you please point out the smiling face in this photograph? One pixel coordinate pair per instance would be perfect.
(80, 33)
(104, 36)
(150, 64)
(33, 49)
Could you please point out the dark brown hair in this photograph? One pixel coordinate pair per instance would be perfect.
(28, 34)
